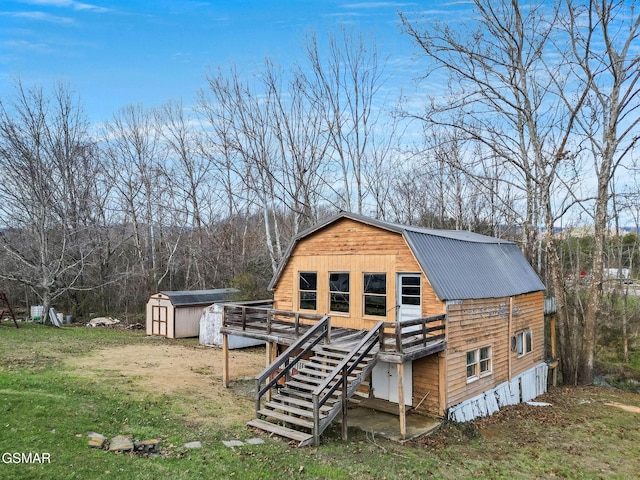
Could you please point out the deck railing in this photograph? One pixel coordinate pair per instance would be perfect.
(396, 337)
(402, 336)
(259, 317)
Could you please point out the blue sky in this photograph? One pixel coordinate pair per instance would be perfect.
(115, 53)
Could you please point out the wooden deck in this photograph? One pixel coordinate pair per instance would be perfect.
(401, 341)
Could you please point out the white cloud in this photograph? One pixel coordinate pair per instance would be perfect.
(39, 16)
(67, 4)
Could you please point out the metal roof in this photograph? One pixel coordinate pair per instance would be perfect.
(200, 297)
(475, 267)
(458, 264)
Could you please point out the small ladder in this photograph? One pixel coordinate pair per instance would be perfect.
(5, 305)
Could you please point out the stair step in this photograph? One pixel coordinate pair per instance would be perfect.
(301, 422)
(302, 437)
(333, 361)
(306, 404)
(304, 386)
(308, 395)
(290, 409)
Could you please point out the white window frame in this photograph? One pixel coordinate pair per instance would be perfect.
(524, 342)
(477, 363)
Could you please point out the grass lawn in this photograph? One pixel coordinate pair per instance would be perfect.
(48, 404)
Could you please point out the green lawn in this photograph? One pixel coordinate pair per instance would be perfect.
(47, 407)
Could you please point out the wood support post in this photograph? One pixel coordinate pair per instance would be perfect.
(442, 383)
(345, 407)
(225, 361)
(402, 410)
(271, 352)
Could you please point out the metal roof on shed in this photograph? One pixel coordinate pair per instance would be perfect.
(200, 297)
(458, 264)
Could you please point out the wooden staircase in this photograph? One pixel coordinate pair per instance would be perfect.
(315, 389)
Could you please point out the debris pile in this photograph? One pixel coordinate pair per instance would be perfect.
(123, 444)
(103, 322)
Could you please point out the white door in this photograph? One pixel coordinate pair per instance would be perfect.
(384, 379)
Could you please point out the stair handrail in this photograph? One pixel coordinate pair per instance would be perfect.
(342, 368)
(320, 330)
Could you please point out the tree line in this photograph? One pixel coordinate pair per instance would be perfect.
(525, 126)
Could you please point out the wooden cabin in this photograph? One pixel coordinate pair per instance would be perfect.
(176, 314)
(459, 315)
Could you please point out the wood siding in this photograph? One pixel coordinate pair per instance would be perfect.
(426, 385)
(356, 248)
(474, 324)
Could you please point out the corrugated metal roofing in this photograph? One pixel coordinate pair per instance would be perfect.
(459, 264)
(200, 297)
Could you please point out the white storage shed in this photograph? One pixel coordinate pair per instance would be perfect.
(177, 314)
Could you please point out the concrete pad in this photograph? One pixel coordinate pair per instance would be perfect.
(254, 441)
(193, 445)
(387, 425)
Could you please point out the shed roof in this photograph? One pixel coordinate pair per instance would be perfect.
(459, 264)
(200, 297)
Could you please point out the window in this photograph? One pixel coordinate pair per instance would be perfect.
(375, 294)
(308, 288)
(339, 292)
(524, 342)
(410, 290)
(478, 363)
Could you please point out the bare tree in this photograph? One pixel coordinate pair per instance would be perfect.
(604, 37)
(543, 87)
(243, 116)
(346, 84)
(48, 166)
(131, 145)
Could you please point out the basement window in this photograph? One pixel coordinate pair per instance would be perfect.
(478, 363)
(308, 289)
(375, 294)
(339, 292)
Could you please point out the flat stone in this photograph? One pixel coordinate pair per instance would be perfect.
(193, 445)
(121, 443)
(96, 440)
(254, 441)
(232, 443)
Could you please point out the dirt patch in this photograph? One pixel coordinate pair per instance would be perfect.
(191, 375)
(626, 408)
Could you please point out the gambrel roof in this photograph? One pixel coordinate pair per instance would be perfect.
(458, 264)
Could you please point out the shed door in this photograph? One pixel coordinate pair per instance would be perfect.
(409, 296)
(158, 320)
